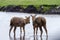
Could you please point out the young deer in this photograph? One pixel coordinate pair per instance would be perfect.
(18, 22)
(39, 22)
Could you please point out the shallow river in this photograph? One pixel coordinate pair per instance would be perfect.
(53, 26)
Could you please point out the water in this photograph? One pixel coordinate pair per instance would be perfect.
(53, 26)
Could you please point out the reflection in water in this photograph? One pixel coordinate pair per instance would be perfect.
(44, 39)
(22, 37)
(37, 38)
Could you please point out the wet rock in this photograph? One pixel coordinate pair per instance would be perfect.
(14, 8)
(41, 8)
(9, 8)
(30, 9)
(2, 8)
(18, 9)
(53, 11)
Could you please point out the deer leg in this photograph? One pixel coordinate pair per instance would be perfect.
(24, 30)
(20, 31)
(14, 31)
(41, 31)
(36, 30)
(10, 30)
(45, 30)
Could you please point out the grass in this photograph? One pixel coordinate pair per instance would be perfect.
(25, 3)
(29, 2)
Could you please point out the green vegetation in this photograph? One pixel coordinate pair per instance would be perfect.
(36, 3)
(29, 2)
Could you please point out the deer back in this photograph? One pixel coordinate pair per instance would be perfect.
(40, 21)
(17, 21)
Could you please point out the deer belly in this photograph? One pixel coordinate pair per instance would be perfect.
(18, 24)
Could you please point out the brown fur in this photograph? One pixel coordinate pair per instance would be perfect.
(39, 22)
(18, 22)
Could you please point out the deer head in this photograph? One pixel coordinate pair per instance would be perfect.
(27, 20)
(33, 17)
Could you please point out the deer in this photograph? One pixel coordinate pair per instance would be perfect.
(39, 22)
(18, 22)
